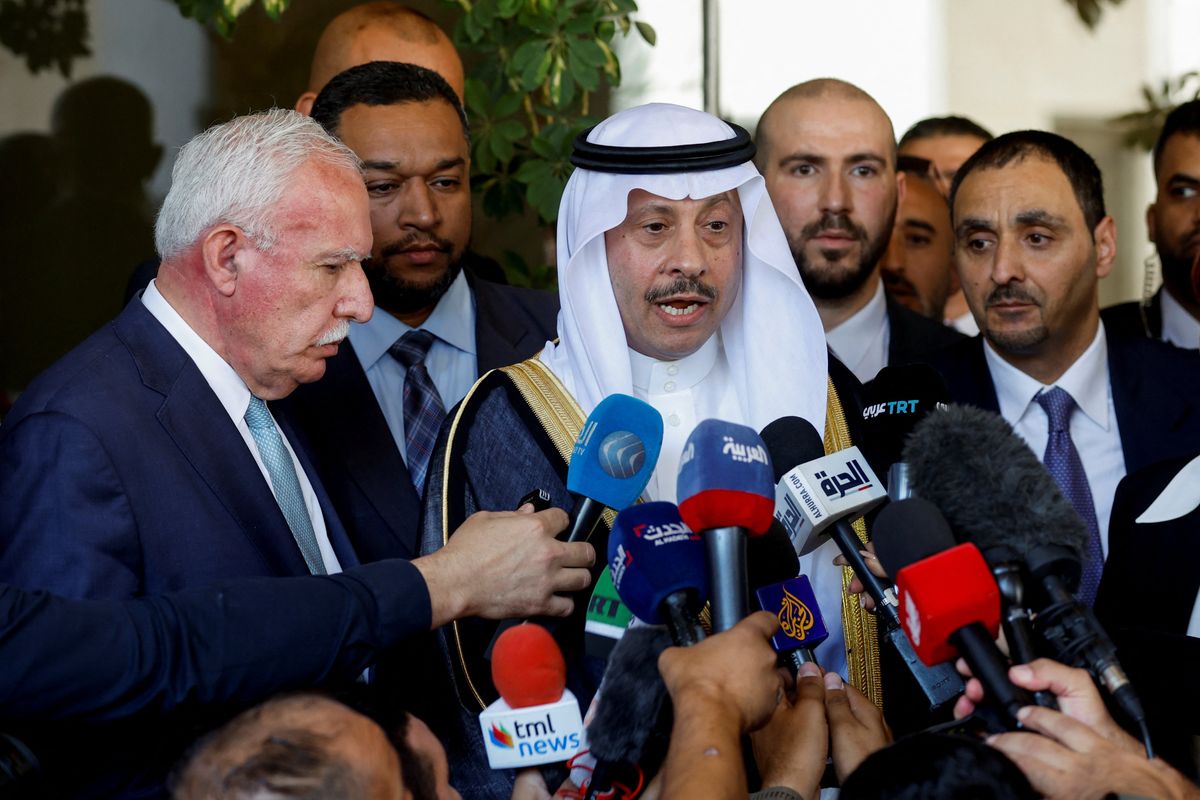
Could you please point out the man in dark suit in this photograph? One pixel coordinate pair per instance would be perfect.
(828, 154)
(148, 459)
(1148, 599)
(1033, 240)
(1172, 314)
(408, 127)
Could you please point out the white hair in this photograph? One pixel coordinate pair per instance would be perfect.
(236, 172)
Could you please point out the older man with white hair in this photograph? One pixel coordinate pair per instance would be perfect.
(148, 459)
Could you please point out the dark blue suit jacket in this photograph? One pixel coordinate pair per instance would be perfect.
(123, 475)
(1156, 393)
(350, 441)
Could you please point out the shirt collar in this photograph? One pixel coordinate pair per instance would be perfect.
(851, 339)
(452, 321)
(1178, 326)
(230, 389)
(653, 376)
(1086, 381)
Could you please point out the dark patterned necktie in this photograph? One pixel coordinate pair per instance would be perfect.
(423, 409)
(1063, 462)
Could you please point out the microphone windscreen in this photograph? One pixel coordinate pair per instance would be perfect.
(791, 441)
(528, 667)
(894, 401)
(795, 606)
(988, 483)
(651, 555)
(909, 530)
(630, 697)
(771, 558)
(616, 451)
(726, 479)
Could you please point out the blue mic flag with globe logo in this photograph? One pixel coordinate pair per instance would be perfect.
(616, 451)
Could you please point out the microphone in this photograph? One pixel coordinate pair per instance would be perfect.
(993, 472)
(658, 567)
(801, 626)
(894, 401)
(819, 496)
(536, 720)
(613, 458)
(726, 492)
(796, 448)
(632, 723)
(770, 558)
(950, 602)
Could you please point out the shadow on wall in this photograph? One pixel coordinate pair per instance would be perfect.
(75, 221)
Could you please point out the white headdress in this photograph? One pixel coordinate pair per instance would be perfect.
(772, 336)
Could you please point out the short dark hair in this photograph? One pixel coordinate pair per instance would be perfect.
(1077, 165)
(945, 126)
(931, 766)
(1183, 119)
(383, 83)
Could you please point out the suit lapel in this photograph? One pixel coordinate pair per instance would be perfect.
(363, 438)
(499, 339)
(1145, 437)
(198, 424)
(338, 537)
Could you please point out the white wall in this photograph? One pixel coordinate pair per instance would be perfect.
(146, 42)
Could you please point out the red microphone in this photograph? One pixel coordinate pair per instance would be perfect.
(950, 606)
(537, 719)
(726, 492)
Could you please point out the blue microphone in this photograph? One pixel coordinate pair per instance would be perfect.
(658, 568)
(613, 458)
(801, 626)
(726, 491)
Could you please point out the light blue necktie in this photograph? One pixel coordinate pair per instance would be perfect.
(283, 480)
(1063, 462)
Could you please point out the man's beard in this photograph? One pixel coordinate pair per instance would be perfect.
(1015, 343)
(397, 294)
(1177, 265)
(832, 283)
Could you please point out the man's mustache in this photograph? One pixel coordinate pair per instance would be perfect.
(416, 240)
(833, 221)
(681, 285)
(1010, 293)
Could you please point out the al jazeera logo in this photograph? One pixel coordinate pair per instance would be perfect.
(795, 617)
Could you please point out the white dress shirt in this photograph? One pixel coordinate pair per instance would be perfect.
(1093, 425)
(685, 392)
(234, 396)
(1179, 498)
(1178, 326)
(451, 361)
(965, 324)
(861, 342)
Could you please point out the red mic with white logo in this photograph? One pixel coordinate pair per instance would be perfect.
(726, 491)
(949, 604)
(536, 720)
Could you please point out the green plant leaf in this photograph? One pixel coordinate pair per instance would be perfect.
(508, 104)
(477, 96)
(510, 130)
(507, 9)
(526, 54)
(647, 33)
(589, 52)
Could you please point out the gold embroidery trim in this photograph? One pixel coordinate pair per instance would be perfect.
(562, 419)
(862, 645)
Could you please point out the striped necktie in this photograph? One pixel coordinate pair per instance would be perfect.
(423, 409)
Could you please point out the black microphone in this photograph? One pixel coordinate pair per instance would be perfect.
(793, 442)
(633, 717)
(950, 599)
(894, 401)
(995, 493)
(770, 559)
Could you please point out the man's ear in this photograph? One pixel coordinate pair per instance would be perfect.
(1150, 232)
(219, 248)
(1105, 237)
(304, 103)
(901, 189)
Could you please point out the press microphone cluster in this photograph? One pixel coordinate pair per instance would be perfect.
(995, 494)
